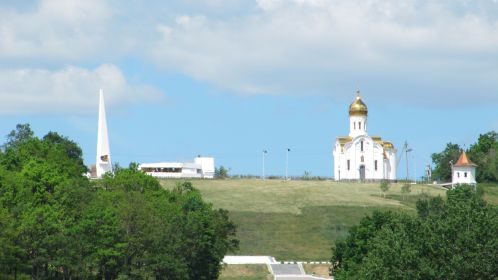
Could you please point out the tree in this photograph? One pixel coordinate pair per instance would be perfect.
(21, 134)
(443, 160)
(56, 224)
(484, 154)
(221, 172)
(405, 189)
(384, 186)
(452, 239)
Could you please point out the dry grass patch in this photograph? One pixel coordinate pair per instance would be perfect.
(320, 270)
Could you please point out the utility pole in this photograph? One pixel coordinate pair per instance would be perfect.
(407, 150)
(264, 153)
(287, 164)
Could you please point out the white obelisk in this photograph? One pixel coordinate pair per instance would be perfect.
(103, 163)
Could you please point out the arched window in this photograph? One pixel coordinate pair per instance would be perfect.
(465, 174)
(349, 164)
(354, 125)
(361, 145)
(362, 159)
(375, 165)
(458, 174)
(359, 125)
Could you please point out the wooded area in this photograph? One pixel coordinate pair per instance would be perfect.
(57, 224)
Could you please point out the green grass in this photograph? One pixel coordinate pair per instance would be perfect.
(300, 220)
(245, 272)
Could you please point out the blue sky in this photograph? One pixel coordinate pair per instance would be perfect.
(229, 79)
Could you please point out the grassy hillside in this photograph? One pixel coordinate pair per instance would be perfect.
(299, 220)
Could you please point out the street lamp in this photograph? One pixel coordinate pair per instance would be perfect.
(287, 164)
(264, 153)
(407, 171)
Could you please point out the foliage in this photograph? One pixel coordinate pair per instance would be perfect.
(384, 186)
(221, 173)
(56, 224)
(405, 189)
(484, 153)
(452, 239)
(443, 160)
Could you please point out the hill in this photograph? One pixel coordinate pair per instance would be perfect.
(299, 220)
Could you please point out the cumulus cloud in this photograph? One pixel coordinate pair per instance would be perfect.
(56, 30)
(72, 89)
(399, 50)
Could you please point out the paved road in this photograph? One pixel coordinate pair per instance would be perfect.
(287, 269)
(302, 277)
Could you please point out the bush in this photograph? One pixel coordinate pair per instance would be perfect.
(384, 186)
(405, 189)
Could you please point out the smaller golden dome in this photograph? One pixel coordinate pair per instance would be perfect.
(388, 145)
(358, 108)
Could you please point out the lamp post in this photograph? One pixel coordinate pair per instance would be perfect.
(287, 164)
(407, 170)
(264, 153)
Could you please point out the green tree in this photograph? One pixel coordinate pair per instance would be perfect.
(443, 160)
(484, 154)
(406, 189)
(56, 224)
(452, 239)
(384, 186)
(221, 172)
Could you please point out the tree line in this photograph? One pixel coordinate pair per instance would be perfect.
(484, 153)
(454, 238)
(57, 224)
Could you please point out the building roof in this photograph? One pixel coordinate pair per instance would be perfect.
(377, 139)
(358, 108)
(171, 165)
(464, 161)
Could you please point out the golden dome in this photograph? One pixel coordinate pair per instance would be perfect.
(388, 145)
(358, 108)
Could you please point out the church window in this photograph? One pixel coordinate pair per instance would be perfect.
(458, 174)
(465, 174)
(354, 124)
(349, 164)
(375, 164)
(362, 159)
(361, 144)
(359, 125)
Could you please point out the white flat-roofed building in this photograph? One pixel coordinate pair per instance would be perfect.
(202, 167)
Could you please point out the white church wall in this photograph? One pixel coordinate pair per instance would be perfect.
(357, 125)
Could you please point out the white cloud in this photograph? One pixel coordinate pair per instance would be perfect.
(69, 90)
(396, 50)
(400, 50)
(54, 29)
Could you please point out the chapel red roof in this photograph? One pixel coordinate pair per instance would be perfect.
(464, 161)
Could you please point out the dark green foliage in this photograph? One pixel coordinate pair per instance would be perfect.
(452, 239)
(442, 169)
(56, 224)
(484, 153)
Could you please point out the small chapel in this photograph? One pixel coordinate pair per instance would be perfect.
(463, 171)
(359, 156)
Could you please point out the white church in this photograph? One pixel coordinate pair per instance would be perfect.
(359, 156)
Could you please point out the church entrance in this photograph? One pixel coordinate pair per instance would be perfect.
(362, 172)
